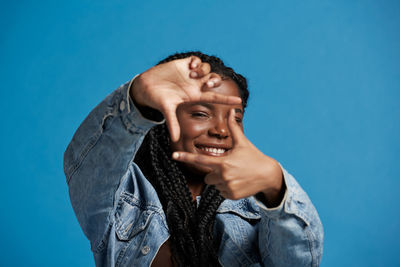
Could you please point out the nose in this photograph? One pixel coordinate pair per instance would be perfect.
(219, 129)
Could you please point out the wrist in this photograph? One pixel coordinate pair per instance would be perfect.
(134, 91)
(145, 110)
(275, 191)
(273, 198)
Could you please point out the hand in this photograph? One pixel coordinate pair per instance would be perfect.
(244, 172)
(165, 86)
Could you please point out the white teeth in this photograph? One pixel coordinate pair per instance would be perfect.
(213, 150)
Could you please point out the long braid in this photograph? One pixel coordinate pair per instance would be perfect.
(191, 228)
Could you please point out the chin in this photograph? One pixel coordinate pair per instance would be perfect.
(196, 170)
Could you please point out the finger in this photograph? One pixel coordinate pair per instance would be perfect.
(223, 192)
(172, 123)
(213, 178)
(194, 62)
(228, 193)
(206, 161)
(202, 70)
(213, 97)
(237, 134)
(212, 80)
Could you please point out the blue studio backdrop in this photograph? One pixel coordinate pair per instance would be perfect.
(324, 78)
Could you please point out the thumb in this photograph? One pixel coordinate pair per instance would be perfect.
(236, 131)
(172, 123)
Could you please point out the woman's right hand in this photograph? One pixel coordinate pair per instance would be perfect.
(165, 86)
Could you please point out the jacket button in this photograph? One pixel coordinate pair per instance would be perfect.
(145, 250)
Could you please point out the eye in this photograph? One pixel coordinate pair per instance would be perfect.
(238, 120)
(199, 114)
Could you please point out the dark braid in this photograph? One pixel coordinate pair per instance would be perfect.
(191, 228)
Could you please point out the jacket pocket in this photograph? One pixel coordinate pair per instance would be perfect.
(131, 217)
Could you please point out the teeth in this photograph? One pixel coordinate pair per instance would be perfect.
(213, 150)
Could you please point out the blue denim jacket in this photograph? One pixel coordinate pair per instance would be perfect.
(120, 212)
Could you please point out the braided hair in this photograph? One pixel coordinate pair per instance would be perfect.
(190, 227)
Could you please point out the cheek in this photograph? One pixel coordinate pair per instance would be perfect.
(193, 130)
(191, 127)
(189, 133)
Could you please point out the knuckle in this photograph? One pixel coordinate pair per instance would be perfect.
(229, 186)
(206, 66)
(232, 195)
(216, 76)
(198, 159)
(235, 196)
(224, 163)
(226, 168)
(195, 58)
(215, 96)
(183, 156)
(225, 177)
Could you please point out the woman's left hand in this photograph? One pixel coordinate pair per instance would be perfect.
(243, 172)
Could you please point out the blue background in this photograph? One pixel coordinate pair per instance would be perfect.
(324, 79)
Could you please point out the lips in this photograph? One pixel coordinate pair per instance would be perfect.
(212, 150)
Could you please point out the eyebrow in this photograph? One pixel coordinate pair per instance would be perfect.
(238, 110)
(210, 106)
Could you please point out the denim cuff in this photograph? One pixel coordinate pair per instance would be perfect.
(295, 201)
(274, 212)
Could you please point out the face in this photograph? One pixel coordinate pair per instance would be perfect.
(204, 126)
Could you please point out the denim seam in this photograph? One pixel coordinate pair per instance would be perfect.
(311, 240)
(89, 145)
(102, 244)
(240, 249)
(121, 254)
(268, 223)
(264, 256)
(111, 220)
(126, 196)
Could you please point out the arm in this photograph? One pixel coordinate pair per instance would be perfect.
(105, 144)
(290, 234)
(99, 155)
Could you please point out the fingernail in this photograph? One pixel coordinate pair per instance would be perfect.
(194, 65)
(175, 155)
(193, 74)
(210, 83)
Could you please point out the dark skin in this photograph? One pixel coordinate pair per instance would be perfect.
(204, 127)
(215, 147)
(203, 113)
(204, 116)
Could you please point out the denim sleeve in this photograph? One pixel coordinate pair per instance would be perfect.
(291, 234)
(98, 157)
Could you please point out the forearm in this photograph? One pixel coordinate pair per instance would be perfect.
(98, 156)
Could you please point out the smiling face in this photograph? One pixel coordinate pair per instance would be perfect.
(204, 126)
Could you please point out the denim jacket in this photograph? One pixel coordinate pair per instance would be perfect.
(121, 214)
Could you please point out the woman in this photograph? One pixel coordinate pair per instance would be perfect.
(197, 192)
